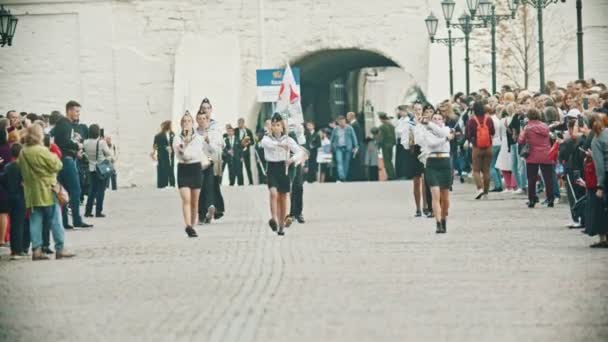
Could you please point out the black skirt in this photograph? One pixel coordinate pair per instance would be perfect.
(438, 172)
(189, 176)
(596, 215)
(411, 165)
(277, 176)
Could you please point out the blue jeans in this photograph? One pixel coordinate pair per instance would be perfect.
(97, 191)
(518, 168)
(69, 178)
(46, 215)
(343, 156)
(494, 172)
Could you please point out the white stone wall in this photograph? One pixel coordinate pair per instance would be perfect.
(118, 58)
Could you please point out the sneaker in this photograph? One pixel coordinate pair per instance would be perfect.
(480, 193)
(418, 213)
(497, 190)
(519, 192)
(17, 257)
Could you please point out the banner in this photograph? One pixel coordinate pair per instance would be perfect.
(290, 106)
(268, 83)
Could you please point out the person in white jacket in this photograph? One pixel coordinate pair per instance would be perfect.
(434, 138)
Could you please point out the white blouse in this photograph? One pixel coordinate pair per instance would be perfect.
(213, 149)
(191, 152)
(433, 138)
(407, 130)
(274, 149)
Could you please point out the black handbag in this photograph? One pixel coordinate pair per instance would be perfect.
(103, 169)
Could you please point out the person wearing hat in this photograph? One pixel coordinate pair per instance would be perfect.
(344, 144)
(386, 142)
(277, 147)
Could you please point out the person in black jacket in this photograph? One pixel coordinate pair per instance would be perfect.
(313, 142)
(356, 166)
(245, 138)
(68, 176)
(164, 156)
(233, 156)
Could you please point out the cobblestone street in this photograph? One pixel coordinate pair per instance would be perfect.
(361, 269)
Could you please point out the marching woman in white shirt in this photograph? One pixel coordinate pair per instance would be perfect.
(277, 147)
(189, 150)
(434, 138)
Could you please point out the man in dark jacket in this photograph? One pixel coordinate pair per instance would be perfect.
(245, 137)
(313, 142)
(68, 176)
(233, 156)
(386, 141)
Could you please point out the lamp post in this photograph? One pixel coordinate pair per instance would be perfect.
(466, 25)
(579, 38)
(487, 13)
(432, 22)
(8, 25)
(540, 5)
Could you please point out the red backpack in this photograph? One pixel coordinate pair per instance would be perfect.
(483, 138)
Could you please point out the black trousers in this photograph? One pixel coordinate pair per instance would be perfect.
(17, 216)
(96, 194)
(297, 190)
(400, 160)
(165, 172)
(575, 192)
(372, 173)
(235, 172)
(247, 162)
(313, 167)
(207, 196)
(219, 199)
(429, 198)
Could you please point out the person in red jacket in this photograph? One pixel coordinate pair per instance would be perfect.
(536, 135)
(479, 132)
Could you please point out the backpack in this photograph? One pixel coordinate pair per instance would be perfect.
(482, 138)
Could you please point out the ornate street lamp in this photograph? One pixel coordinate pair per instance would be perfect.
(487, 13)
(540, 5)
(431, 26)
(8, 25)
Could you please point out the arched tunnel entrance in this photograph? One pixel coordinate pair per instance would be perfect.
(332, 82)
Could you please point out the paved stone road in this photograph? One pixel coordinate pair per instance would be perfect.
(361, 269)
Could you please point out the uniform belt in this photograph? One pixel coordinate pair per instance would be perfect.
(439, 155)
